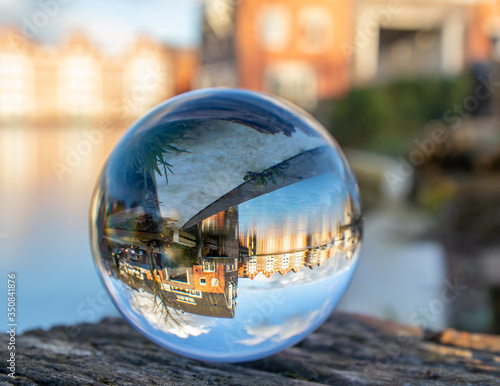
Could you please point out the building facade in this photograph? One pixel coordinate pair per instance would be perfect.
(74, 80)
(409, 38)
(208, 289)
(319, 49)
(289, 48)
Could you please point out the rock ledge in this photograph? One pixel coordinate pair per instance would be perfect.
(347, 350)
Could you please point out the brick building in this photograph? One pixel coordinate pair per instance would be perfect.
(314, 50)
(74, 80)
(279, 252)
(209, 288)
(287, 48)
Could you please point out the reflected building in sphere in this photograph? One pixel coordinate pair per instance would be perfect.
(208, 289)
(281, 252)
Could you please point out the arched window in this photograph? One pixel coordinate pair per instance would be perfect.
(275, 26)
(147, 82)
(16, 85)
(294, 81)
(80, 86)
(316, 29)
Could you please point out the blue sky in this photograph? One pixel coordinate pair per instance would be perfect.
(112, 23)
(299, 205)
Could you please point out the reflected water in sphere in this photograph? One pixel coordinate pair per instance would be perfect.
(226, 224)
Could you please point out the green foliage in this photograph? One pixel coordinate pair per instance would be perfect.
(386, 118)
(146, 155)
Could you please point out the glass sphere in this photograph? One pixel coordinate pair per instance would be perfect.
(226, 224)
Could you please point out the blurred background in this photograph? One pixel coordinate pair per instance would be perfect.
(409, 88)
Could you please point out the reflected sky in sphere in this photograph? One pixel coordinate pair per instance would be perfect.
(226, 225)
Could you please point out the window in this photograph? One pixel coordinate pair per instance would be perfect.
(185, 299)
(294, 81)
(232, 267)
(275, 27)
(166, 287)
(208, 266)
(252, 265)
(215, 282)
(299, 259)
(146, 80)
(203, 281)
(219, 14)
(285, 261)
(80, 87)
(232, 290)
(231, 294)
(16, 85)
(270, 263)
(403, 53)
(316, 29)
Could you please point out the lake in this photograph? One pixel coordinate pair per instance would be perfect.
(46, 179)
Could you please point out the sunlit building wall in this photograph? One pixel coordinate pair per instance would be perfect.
(16, 85)
(148, 77)
(483, 38)
(80, 86)
(277, 251)
(419, 38)
(280, 250)
(75, 80)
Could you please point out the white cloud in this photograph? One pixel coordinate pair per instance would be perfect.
(292, 326)
(169, 320)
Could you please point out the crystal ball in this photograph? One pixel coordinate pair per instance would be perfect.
(226, 224)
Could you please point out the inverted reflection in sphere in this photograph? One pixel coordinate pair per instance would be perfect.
(226, 224)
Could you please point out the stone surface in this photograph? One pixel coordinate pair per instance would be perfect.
(347, 350)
